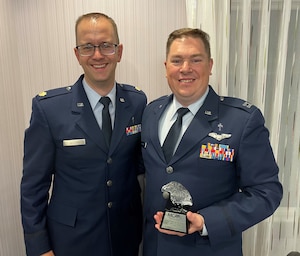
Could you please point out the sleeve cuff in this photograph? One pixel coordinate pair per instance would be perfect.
(204, 231)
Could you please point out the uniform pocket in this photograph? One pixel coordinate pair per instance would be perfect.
(63, 214)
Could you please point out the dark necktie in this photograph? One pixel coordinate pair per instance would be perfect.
(106, 121)
(172, 137)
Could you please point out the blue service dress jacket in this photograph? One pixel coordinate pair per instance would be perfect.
(95, 204)
(225, 161)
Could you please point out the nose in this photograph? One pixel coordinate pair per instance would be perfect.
(97, 52)
(186, 67)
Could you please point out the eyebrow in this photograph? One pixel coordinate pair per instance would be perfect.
(192, 56)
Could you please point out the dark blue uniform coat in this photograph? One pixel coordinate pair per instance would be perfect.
(226, 163)
(95, 207)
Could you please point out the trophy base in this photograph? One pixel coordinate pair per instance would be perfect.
(175, 221)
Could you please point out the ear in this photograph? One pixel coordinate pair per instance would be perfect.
(211, 63)
(119, 52)
(165, 63)
(77, 54)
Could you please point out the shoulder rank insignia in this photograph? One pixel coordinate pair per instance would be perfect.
(219, 137)
(247, 104)
(42, 94)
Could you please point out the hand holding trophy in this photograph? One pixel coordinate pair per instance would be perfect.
(178, 203)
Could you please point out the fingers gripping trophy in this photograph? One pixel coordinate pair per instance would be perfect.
(178, 203)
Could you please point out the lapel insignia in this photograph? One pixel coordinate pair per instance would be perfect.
(80, 104)
(220, 126)
(207, 112)
(219, 152)
(219, 137)
(122, 100)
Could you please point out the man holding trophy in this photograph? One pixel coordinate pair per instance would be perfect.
(210, 169)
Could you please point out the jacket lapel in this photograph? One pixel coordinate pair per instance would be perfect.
(124, 117)
(85, 119)
(199, 127)
(158, 111)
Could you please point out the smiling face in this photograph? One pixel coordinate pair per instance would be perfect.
(188, 67)
(99, 70)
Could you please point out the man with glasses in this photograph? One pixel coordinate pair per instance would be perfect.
(84, 140)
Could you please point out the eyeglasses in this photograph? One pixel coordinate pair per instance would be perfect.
(104, 48)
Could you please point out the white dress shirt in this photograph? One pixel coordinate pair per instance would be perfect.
(97, 107)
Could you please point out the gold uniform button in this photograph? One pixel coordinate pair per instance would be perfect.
(109, 205)
(109, 161)
(109, 183)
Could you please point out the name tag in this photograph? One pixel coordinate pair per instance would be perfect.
(72, 143)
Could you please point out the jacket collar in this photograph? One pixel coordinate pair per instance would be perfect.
(197, 130)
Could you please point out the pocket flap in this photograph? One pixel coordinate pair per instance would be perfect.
(63, 214)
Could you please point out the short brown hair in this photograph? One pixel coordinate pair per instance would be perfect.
(97, 15)
(189, 32)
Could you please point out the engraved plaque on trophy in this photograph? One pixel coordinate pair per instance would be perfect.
(178, 203)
